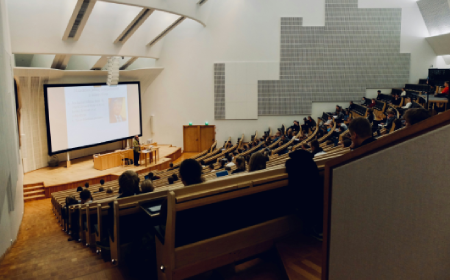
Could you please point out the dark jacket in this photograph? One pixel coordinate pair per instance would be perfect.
(365, 142)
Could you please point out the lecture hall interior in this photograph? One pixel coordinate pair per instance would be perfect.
(224, 139)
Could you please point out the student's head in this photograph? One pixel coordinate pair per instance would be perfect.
(351, 102)
(211, 166)
(170, 180)
(373, 100)
(447, 83)
(86, 185)
(71, 200)
(109, 190)
(229, 158)
(150, 175)
(147, 186)
(171, 165)
(190, 172)
(408, 99)
(257, 162)
(413, 116)
(315, 145)
(175, 177)
(379, 92)
(101, 189)
(360, 130)
(391, 113)
(240, 163)
(309, 118)
(278, 134)
(85, 196)
(129, 183)
(330, 117)
(403, 89)
(296, 123)
(346, 143)
(102, 182)
(79, 189)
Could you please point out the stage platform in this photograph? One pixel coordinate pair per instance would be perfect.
(82, 170)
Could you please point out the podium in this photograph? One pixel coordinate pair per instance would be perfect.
(110, 160)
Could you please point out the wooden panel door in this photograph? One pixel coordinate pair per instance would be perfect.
(191, 138)
(207, 137)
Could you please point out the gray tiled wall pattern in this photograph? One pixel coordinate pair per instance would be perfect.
(219, 91)
(355, 50)
(436, 14)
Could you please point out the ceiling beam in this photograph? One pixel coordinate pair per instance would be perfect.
(167, 30)
(78, 20)
(128, 63)
(101, 62)
(134, 25)
(60, 61)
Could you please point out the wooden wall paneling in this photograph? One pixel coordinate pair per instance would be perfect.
(191, 138)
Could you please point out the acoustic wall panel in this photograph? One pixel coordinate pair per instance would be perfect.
(219, 91)
(355, 50)
(436, 14)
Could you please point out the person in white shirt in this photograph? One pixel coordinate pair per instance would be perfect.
(403, 92)
(408, 103)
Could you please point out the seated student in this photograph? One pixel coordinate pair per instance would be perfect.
(277, 136)
(190, 172)
(240, 165)
(432, 87)
(257, 162)
(86, 185)
(311, 123)
(346, 143)
(389, 120)
(295, 127)
(230, 162)
(109, 190)
(339, 114)
(370, 115)
(352, 106)
(360, 133)
(346, 115)
(372, 103)
(413, 116)
(171, 166)
(445, 91)
(100, 189)
(341, 124)
(329, 121)
(102, 182)
(406, 107)
(396, 100)
(85, 197)
(79, 189)
(365, 101)
(147, 186)
(174, 177)
(129, 184)
(170, 180)
(379, 96)
(316, 150)
(153, 177)
(403, 94)
(398, 124)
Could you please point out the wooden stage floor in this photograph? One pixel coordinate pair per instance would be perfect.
(83, 169)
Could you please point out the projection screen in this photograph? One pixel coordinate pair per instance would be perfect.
(85, 115)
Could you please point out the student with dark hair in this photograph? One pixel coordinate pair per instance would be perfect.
(346, 143)
(174, 177)
(153, 177)
(413, 116)
(372, 103)
(360, 133)
(257, 162)
(351, 106)
(128, 183)
(311, 123)
(389, 121)
(86, 185)
(379, 96)
(109, 190)
(316, 150)
(100, 189)
(398, 124)
(79, 189)
(306, 191)
(85, 196)
(102, 182)
(240, 165)
(171, 165)
(211, 167)
(170, 180)
(295, 127)
(147, 186)
(190, 172)
(403, 94)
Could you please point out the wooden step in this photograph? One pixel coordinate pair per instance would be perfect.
(31, 193)
(301, 256)
(35, 197)
(33, 188)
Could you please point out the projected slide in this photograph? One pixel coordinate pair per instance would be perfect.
(86, 115)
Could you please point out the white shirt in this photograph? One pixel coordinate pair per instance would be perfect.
(408, 105)
(403, 93)
(230, 164)
(320, 153)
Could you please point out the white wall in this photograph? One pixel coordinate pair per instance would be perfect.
(11, 210)
(247, 31)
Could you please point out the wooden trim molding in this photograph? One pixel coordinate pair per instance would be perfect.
(396, 138)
